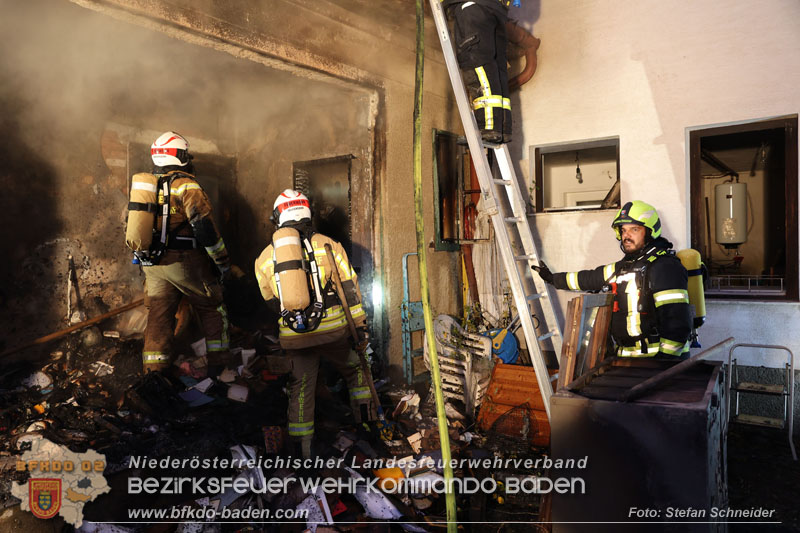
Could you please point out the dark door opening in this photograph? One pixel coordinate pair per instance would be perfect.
(216, 174)
(326, 182)
(744, 208)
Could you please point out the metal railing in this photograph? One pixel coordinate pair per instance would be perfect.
(788, 386)
(746, 284)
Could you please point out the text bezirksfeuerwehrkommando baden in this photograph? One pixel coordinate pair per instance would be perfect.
(417, 482)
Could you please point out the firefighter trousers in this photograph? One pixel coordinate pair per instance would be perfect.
(302, 385)
(182, 274)
(480, 38)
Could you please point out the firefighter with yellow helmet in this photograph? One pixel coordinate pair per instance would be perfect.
(651, 314)
(172, 232)
(294, 271)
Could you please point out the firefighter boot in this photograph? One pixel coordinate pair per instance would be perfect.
(364, 412)
(302, 447)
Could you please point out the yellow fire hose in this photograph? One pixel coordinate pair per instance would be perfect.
(444, 437)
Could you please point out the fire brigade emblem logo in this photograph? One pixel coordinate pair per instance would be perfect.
(45, 497)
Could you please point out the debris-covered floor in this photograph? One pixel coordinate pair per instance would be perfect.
(87, 392)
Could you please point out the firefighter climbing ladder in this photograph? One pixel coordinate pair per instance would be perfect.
(510, 222)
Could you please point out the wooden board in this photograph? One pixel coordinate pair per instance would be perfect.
(512, 386)
(569, 351)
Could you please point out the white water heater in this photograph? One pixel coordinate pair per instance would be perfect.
(730, 202)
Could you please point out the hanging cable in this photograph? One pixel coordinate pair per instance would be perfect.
(441, 417)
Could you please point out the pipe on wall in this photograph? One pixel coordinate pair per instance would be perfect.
(521, 43)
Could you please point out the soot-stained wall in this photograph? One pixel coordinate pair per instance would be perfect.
(84, 95)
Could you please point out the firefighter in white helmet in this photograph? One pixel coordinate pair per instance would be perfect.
(177, 265)
(294, 270)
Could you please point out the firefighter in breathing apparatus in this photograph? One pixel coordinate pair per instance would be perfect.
(172, 232)
(295, 272)
(651, 314)
(480, 45)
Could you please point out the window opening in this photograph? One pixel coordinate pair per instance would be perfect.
(576, 176)
(744, 208)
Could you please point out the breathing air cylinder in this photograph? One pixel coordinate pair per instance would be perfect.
(730, 202)
(142, 212)
(692, 263)
(289, 268)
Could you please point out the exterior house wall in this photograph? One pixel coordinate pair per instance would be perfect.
(649, 72)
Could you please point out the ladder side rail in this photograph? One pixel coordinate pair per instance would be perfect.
(526, 237)
(521, 303)
(490, 204)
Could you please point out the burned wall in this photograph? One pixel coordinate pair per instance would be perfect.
(135, 85)
(86, 95)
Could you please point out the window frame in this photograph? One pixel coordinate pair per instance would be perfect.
(440, 244)
(537, 169)
(696, 207)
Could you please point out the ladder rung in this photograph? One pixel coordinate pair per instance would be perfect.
(546, 335)
(762, 388)
(764, 421)
(511, 213)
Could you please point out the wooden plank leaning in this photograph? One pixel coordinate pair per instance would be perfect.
(569, 350)
(76, 327)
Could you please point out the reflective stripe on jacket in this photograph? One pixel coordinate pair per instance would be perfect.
(651, 302)
(188, 202)
(334, 324)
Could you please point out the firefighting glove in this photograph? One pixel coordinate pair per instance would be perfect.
(543, 272)
(225, 273)
(229, 272)
(363, 335)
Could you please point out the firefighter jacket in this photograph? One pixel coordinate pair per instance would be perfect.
(651, 312)
(191, 224)
(333, 326)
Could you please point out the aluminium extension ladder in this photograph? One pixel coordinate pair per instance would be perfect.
(502, 201)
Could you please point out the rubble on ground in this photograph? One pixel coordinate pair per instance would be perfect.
(90, 394)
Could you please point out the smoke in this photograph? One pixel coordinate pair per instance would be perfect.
(67, 73)
(70, 69)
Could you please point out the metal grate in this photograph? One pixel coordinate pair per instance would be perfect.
(745, 284)
(512, 432)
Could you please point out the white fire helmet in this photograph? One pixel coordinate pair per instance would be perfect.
(290, 206)
(171, 149)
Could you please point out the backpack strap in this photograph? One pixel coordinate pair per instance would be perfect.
(309, 318)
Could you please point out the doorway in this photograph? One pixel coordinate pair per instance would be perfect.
(326, 183)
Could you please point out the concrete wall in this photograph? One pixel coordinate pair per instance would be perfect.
(351, 65)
